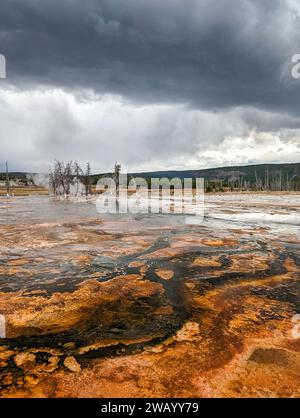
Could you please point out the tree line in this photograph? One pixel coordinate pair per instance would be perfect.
(68, 178)
(263, 182)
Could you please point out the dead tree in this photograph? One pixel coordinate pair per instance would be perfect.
(87, 179)
(7, 180)
(116, 178)
(61, 178)
(69, 177)
(78, 177)
(52, 183)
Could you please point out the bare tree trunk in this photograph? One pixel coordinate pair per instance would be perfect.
(7, 180)
(117, 181)
(87, 179)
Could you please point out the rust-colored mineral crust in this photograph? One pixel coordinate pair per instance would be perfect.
(118, 308)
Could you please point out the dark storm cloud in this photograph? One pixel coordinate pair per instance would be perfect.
(189, 83)
(206, 53)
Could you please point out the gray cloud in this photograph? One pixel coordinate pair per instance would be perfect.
(220, 67)
(209, 53)
(38, 127)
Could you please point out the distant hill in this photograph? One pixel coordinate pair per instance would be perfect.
(258, 177)
(14, 175)
(16, 178)
(249, 172)
(255, 177)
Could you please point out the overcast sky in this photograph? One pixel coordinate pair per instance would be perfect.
(172, 84)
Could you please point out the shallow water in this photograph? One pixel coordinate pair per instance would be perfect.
(113, 285)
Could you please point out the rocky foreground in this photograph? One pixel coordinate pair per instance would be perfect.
(107, 308)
